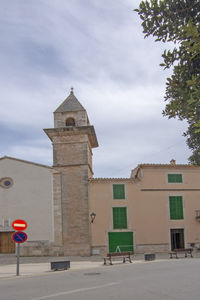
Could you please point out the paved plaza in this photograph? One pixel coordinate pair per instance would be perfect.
(162, 279)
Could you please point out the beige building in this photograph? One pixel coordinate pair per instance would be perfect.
(156, 209)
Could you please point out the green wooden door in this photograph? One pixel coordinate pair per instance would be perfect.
(120, 241)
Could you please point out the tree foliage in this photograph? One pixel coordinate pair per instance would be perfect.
(178, 21)
(193, 142)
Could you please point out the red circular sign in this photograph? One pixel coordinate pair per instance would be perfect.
(19, 225)
(19, 237)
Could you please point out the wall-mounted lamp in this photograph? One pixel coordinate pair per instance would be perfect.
(92, 216)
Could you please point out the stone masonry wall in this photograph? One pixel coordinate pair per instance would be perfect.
(71, 160)
(161, 248)
(57, 208)
(75, 211)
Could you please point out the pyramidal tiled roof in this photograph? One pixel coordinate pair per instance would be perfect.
(71, 103)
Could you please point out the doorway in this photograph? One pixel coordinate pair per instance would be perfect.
(7, 245)
(120, 241)
(177, 238)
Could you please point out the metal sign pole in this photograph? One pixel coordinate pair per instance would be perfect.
(18, 256)
(19, 237)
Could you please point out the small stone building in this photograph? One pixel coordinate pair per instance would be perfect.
(70, 212)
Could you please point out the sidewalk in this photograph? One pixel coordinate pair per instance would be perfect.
(42, 265)
(30, 266)
(43, 268)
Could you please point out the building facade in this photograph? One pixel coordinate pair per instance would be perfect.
(26, 193)
(156, 209)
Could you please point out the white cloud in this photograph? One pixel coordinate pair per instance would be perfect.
(98, 47)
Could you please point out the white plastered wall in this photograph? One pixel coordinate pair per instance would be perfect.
(29, 198)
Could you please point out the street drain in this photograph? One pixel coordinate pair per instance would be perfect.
(92, 273)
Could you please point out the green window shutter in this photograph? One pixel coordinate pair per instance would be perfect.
(119, 218)
(176, 207)
(118, 191)
(175, 178)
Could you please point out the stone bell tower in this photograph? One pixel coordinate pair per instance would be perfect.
(73, 139)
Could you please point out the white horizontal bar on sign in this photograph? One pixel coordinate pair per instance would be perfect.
(19, 225)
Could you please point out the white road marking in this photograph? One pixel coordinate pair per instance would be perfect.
(76, 291)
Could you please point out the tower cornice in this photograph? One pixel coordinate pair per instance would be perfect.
(78, 130)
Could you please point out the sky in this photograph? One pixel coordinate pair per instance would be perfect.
(96, 46)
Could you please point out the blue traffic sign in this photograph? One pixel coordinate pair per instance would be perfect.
(19, 237)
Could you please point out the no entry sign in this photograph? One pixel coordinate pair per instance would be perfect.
(19, 237)
(19, 225)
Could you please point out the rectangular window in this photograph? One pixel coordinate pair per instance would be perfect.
(173, 178)
(176, 207)
(119, 218)
(118, 191)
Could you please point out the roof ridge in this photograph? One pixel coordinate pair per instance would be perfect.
(167, 165)
(25, 161)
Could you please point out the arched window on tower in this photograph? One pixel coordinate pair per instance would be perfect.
(70, 122)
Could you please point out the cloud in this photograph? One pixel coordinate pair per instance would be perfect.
(97, 47)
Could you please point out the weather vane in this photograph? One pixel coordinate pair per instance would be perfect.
(72, 90)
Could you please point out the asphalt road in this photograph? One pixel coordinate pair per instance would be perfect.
(157, 280)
